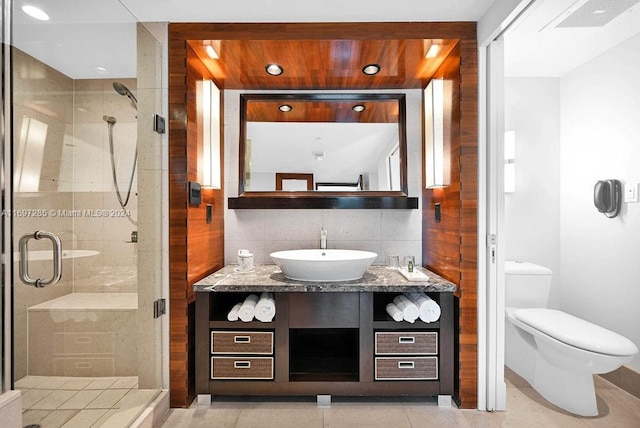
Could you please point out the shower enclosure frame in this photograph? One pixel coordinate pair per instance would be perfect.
(151, 331)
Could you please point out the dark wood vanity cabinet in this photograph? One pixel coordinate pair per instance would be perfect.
(335, 343)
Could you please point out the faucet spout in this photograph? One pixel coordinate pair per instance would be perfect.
(323, 238)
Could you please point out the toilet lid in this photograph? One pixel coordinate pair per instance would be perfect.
(576, 332)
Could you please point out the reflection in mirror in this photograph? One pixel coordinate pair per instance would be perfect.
(323, 143)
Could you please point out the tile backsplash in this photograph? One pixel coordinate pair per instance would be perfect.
(385, 232)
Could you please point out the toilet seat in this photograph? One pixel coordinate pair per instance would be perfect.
(574, 331)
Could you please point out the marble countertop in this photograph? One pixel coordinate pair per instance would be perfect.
(270, 278)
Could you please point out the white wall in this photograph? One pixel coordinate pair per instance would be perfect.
(385, 232)
(600, 270)
(532, 212)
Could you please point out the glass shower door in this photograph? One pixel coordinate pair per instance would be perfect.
(77, 326)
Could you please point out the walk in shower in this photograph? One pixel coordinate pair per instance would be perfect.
(85, 86)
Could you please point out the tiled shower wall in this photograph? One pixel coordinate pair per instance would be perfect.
(385, 232)
(63, 184)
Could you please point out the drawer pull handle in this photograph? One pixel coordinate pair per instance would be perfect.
(242, 364)
(242, 339)
(406, 339)
(406, 364)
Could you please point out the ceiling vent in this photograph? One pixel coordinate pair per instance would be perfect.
(592, 13)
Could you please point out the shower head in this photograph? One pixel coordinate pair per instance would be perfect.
(123, 90)
(109, 119)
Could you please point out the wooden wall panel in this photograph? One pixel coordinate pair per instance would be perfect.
(196, 248)
(178, 305)
(468, 322)
(205, 250)
(441, 241)
(450, 246)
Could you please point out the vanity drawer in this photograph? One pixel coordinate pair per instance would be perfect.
(242, 342)
(241, 368)
(406, 342)
(410, 368)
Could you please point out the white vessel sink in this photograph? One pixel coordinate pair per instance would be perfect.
(323, 265)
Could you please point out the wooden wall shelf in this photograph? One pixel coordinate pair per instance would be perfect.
(338, 202)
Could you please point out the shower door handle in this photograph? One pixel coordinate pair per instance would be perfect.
(24, 258)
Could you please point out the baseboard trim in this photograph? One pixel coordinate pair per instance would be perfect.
(626, 379)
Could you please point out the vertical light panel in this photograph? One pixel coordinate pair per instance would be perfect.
(434, 105)
(210, 104)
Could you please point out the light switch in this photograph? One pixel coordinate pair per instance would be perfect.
(631, 192)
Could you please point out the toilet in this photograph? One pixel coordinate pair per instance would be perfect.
(555, 352)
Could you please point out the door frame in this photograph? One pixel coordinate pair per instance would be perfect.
(5, 187)
(491, 307)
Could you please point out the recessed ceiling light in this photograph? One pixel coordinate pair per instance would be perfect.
(358, 108)
(599, 11)
(274, 69)
(102, 71)
(211, 52)
(285, 108)
(433, 51)
(371, 69)
(35, 12)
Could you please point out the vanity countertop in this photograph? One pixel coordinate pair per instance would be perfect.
(270, 278)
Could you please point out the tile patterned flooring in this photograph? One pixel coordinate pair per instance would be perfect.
(109, 402)
(526, 408)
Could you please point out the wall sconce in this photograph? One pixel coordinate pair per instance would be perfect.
(437, 110)
(209, 103)
(510, 161)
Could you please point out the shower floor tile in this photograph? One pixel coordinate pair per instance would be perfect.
(125, 382)
(102, 383)
(33, 417)
(54, 400)
(82, 401)
(76, 383)
(31, 396)
(85, 418)
(29, 382)
(57, 418)
(54, 382)
(107, 399)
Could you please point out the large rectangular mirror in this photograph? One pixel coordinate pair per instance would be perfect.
(322, 145)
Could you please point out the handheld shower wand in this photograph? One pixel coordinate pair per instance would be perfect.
(111, 121)
(123, 90)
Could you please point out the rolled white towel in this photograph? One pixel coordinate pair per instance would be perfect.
(233, 313)
(247, 310)
(429, 309)
(409, 310)
(265, 308)
(394, 312)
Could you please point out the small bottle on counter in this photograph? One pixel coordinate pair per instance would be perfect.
(410, 265)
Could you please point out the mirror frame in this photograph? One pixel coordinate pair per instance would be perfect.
(324, 199)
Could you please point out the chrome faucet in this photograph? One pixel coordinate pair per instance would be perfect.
(323, 238)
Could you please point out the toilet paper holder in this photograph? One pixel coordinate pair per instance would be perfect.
(607, 197)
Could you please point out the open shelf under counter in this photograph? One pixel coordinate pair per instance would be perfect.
(382, 320)
(240, 325)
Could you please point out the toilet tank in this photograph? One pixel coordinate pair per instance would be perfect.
(527, 285)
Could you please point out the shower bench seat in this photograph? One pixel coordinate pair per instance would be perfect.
(83, 334)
